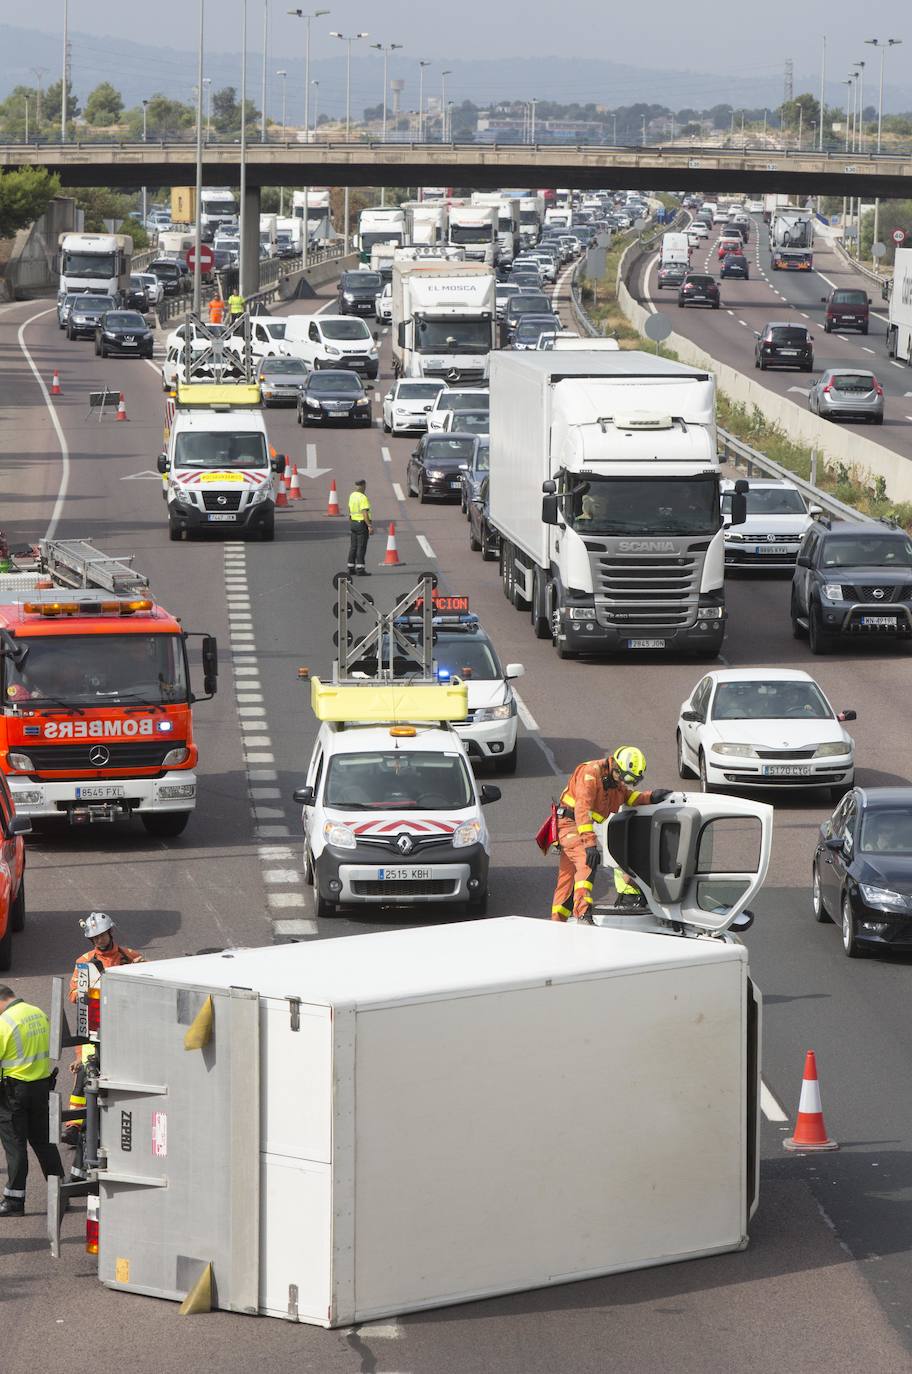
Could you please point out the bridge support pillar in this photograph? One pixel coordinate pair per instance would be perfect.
(250, 241)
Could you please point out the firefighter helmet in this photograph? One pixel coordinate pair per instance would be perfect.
(95, 924)
(630, 762)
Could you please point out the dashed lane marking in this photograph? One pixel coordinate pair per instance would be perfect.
(386, 455)
(425, 546)
(769, 1106)
(865, 349)
(398, 492)
(294, 929)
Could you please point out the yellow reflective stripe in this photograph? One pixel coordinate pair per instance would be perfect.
(633, 798)
(567, 800)
(560, 911)
(596, 817)
(587, 899)
(583, 828)
(77, 1101)
(583, 882)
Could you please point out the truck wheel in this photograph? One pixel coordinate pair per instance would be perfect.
(538, 613)
(174, 532)
(6, 948)
(506, 571)
(17, 911)
(167, 824)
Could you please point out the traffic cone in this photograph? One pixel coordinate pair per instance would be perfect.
(56, 388)
(294, 491)
(810, 1132)
(392, 553)
(121, 408)
(281, 495)
(287, 473)
(333, 507)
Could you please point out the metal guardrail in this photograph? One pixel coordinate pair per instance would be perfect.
(173, 306)
(859, 267)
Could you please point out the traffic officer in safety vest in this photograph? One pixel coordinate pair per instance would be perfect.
(25, 1083)
(595, 790)
(361, 527)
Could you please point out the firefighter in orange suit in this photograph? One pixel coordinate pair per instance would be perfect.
(595, 790)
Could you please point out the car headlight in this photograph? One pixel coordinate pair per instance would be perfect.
(710, 612)
(831, 749)
(730, 535)
(435, 472)
(741, 751)
(372, 352)
(833, 591)
(183, 498)
(467, 833)
(363, 402)
(109, 334)
(175, 756)
(348, 296)
(268, 391)
(339, 835)
(262, 493)
(312, 402)
(22, 762)
(496, 712)
(885, 899)
(333, 352)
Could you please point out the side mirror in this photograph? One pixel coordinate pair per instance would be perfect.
(488, 793)
(814, 511)
(847, 715)
(868, 299)
(162, 463)
(388, 396)
(415, 453)
(738, 508)
(210, 658)
(743, 921)
(514, 670)
(802, 561)
(834, 843)
(696, 717)
(19, 825)
(305, 796)
(549, 488)
(757, 334)
(549, 510)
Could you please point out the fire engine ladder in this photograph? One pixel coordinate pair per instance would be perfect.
(384, 638)
(78, 564)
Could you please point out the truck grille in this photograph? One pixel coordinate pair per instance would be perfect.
(68, 758)
(389, 842)
(222, 500)
(466, 376)
(651, 589)
(433, 887)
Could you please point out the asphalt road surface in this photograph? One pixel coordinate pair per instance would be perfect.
(825, 1282)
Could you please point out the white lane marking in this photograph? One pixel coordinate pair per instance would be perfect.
(272, 853)
(803, 316)
(425, 546)
(398, 492)
(57, 512)
(844, 337)
(819, 326)
(251, 671)
(251, 711)
(769, 1106)
(262, 775)
(386, 455)
(909, 417)
(866, 349)
(729, 312)
(893, 363)
(281, 875)
(381, 1331)
(266, 794)
(156, 368)
(267, 813)
(273, 832)
(744, 322)
(285, 899)
(255, 756)
(525, 714)
(376, 395)
(292, 928)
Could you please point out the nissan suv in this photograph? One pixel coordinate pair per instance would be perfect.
(852, 581)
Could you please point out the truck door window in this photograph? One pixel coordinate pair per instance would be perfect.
(728, 846)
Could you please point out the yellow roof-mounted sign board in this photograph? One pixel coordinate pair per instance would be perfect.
(230, 394)
(388, 703)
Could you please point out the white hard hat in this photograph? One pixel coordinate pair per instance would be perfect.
(95, 924)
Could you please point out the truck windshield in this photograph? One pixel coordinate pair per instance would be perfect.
(97, 670)
(220, 450)
(412, 780)
(471, 233)
(528, 217)
(369, 238)
(642, 507)
(226, 208)
(450, 335)
(99, 266)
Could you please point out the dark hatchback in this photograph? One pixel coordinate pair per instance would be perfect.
(333, 396)
(435, 467)
(784, 345)
(671, 274)
(168, 272)
(735, 265)
(123, 333)
(699, 289)
(862, 871)
(134, 295)
(85, 313)
(519, 305)
(358, 293)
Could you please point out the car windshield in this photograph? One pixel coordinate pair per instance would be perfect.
(867, 551)
(701, 282)
(768, 501)
(346, 330)
(418, 391)
(679, 505)
(852, 381)
(401, 780)
(759, 700)
(124, 319)
(362, 281)
(348, 383)
(538, 324)
(887, 832)
(849, 298)
(92, 303)
(96, 670)
(446, 450)
(528, 305)
(471, 233)
(282, 367)
(220, 450)
(787, 334)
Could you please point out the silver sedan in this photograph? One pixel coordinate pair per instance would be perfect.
(847, 393)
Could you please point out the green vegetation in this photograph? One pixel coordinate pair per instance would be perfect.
(24, 196)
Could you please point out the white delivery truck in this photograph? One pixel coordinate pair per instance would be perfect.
(791, 239)
(433, 1148)
(474, 228)
(289, 235)
(508, 225)
(268, 234)
(99, 263)
(899, 310)
(531, 218)
(381, 224)
(319, 211)
(427, 222)
(604, 488)
(675, 249)
(443, 322)
(558, 217)
(219, 206)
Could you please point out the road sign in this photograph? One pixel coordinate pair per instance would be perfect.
(603, 239)
(657, 327)
(878, 250)
(207, 258)
(899, 236)
(595, 264)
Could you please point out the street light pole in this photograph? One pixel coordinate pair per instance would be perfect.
(63, 76)
(198, 212)
(883, 44)
(145, 106)
(349, 39)
(26, 117)
(299, 14)
(443, 103)
(242, 274)
(283, 75)
(263, 82)
(207, 82)
(822, 91)
(386, 49)
(532, 125)
(421, 67)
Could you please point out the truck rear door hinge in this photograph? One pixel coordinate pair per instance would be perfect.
(294, 1014)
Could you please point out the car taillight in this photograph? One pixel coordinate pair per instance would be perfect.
(877, 387)
(827, 389)
(93, 1009)
(91, 1243)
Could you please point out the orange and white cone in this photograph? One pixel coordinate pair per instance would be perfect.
(392, 553)
(281, 495)
(287, 473)
(810, 1131)
(121, 408)
(294, 491)
(56, 388)
(333, 506)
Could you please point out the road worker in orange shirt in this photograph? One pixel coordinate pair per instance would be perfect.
(595, 790)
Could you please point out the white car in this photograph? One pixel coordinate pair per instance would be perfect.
(476, 398)
(764, 727)
(406, 406)
(693, 238)
(383, 304)
(332, 341)
(153, 287)
(755, 207)
(777, 520)
(699, 229)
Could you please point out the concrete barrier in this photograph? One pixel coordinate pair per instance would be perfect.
(301, 285)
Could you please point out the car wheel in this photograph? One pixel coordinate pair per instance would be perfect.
(818, 641)
(478, 907)
(761, 363)
(103, 351)
(267, 531)
(386, 428)
(839, 790)
(422, 494)
(167, 824)
(321, 907)
(175, 533)
(850, 943)
(820, 912)
(308, 868)
(878, 419)
(17, 910)
(684, 768)
(704, 782)
(474, 544)
(865, 329)
(827, 328)
(97, 349)
(506, 763)
(488, 554)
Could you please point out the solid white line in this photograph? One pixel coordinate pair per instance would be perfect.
(426, 548)
(398, 492)
(525, 714)
(769, 1106)
(894, 363)
(57, 512)
(386, 455)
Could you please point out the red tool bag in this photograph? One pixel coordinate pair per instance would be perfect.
(546, 838)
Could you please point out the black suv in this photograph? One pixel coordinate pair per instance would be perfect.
(852, 580)
(782, 344)
(699, 289)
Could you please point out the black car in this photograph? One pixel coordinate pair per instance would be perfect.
(531, 303)
(862, 873)
(699, 289)
(478, 468)
(123, 332)
(169, 274)
(436, 465)
(852, 581)
(85, 314)
(358, 293)
(531, 330)
(735, 265)
(134, 295)
(483, 538)
(333, 396)
(671, 274)
(782, 344)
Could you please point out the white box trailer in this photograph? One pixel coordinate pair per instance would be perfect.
(899, 328)
(384, 1123)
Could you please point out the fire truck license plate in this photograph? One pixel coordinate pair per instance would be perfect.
(98, 792)
(399, 875)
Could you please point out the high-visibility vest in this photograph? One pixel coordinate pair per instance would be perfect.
(24, 1042)
(359, 508)
(236, 303)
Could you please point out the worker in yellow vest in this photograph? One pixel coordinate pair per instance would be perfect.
(361, 527)
(25, 1084)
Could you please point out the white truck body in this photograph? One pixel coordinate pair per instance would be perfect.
(791, 239)
(382, 224)
(319, 211)
(899, 310)
(290, 229)
(268, 233)
(99, 263)
(558, 217)
(474, 228)
(175, 243)
(427, 1153)
(531, 218)
(427, 222)
(508, 223)
(443, 320)
(675, 249)
(637, 558)
(217, 206)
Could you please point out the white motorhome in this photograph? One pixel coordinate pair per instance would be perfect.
(474, 228)
(604, 488)
(899, 328)
(218, 205)
(443, 320)
(508, 224)
(99, 263)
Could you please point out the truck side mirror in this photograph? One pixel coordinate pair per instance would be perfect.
(19, 825)
(210, 664)
(549, 510)
(161, 462)
(400, 334)
(278, 462)
(738, 508)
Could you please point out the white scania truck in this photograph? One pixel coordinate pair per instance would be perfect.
(99, 263)
(474, 227)
(443, 320)
(508, 225)
(604, 488)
